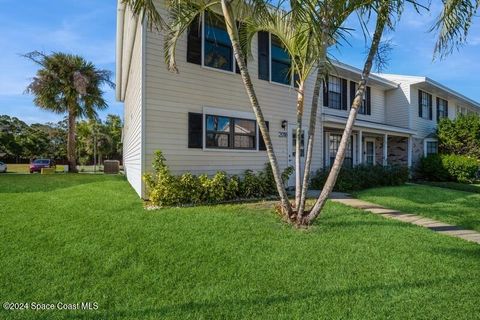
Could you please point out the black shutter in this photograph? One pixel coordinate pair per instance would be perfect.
(438, 109)
(344, 94)
(194, 43)
(352, 91)
(261, 142)
(420, 114)
(446, 109)
(263, 56)
(325, 92)
(195, 130)
(368, 107)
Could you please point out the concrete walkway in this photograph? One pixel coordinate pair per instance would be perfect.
(434, 225)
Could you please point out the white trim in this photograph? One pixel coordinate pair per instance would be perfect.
(392, 130)
(228, 113)
(290, 128)
(410, 151)
(143, 135)
(385, 150)
(425, 141)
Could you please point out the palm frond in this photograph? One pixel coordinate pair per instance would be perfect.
(453, 24)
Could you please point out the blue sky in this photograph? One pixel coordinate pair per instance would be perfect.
(87, 28)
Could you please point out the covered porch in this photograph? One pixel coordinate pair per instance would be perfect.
(370, 143)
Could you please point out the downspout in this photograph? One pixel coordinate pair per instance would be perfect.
(119, 48)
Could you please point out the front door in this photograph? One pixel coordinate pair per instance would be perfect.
(292, 142)
(369, 152)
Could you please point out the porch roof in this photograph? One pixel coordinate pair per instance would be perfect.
(370, 126)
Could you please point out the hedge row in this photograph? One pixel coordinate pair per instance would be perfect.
(165, 189)
(362, 177)
(451, 167)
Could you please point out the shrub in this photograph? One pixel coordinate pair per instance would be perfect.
(451, 167)
(431, 168)
(362, 177)
(165, 189)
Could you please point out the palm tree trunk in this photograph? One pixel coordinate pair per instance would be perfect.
(311, 135)
(240, 57)
(298, 141)
(333, 175)
(71, 143)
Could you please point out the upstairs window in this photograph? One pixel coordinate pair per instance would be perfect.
(218, 50)
(442, 109)
(335, 93)
(424, 105)
(280, 62)
(366, 106)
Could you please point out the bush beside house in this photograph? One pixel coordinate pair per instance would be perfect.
(362, 177)
(166, 190)
(451, 167)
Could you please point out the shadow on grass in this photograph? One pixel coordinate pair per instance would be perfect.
(46, 183)
(221, 306)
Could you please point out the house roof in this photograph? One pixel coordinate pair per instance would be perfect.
(354, 73)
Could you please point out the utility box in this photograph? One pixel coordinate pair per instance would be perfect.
(48, 170)
(111, 166)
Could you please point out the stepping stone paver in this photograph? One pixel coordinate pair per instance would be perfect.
(434, 225)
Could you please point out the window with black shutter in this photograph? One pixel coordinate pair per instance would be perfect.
(263, 56)
(365, 107)
(442, 109)
(195, 130)
(224, 132)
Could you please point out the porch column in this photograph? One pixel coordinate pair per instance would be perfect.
(410, 151)
(385, 149)
(360, 147)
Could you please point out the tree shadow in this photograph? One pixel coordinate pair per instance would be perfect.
(208, 308)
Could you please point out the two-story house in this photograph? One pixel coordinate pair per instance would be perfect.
(203, 122)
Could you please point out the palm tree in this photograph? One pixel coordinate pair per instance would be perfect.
(67, 83)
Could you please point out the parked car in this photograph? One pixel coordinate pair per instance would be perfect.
(3, 167)
(38, 164)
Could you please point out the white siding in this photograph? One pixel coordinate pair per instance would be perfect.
(132, 131)
(398, 106)
(170, 96)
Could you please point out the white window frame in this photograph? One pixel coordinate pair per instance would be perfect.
(425, 142)
(292, 77)
(203, 54)
(228, 113)
(427, 116)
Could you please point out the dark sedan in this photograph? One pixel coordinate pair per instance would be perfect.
(38, 164)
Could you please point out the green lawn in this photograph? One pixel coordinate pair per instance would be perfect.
(472, 187)
(447, 205)
(24, 168)
(76, 238)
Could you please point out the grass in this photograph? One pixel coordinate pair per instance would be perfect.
(24, 168)
(75, 238)
(473, 187)
(447, 205)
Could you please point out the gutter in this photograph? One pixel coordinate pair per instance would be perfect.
(119, 48)
(122, 77)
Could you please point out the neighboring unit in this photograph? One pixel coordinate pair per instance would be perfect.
(202, 120)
